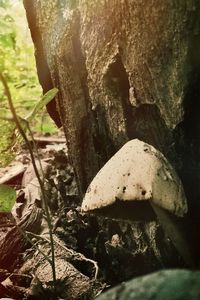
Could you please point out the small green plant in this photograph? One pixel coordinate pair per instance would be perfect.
(19, 79)
(9, 132)
(17, 130)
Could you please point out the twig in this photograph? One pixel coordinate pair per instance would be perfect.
(50, 140)
(13, 173)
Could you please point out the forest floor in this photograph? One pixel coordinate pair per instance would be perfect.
(24, 234)
(91, 253)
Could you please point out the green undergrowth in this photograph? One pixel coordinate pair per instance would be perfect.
(17, 63)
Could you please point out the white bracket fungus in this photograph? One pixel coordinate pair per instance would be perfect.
(138, 173)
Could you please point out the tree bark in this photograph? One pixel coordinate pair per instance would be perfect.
(125, 69)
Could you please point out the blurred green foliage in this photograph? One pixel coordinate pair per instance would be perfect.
(17, 67)
(11, 138)
(9, 194)
(17, 63)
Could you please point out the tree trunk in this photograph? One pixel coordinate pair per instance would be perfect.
(125, 69)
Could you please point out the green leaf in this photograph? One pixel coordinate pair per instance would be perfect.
(41, 103)
(7, 198)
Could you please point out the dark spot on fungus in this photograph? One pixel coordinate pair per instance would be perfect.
(124, 189)
(128, 174)
(143, 192)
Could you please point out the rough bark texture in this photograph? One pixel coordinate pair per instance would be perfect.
(125, 69)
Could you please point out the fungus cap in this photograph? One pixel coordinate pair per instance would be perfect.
(136, 172)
